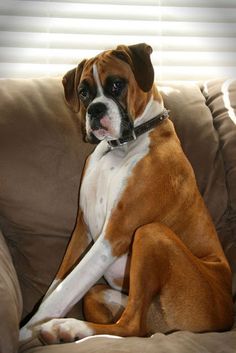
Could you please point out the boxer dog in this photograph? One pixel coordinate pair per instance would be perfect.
(153, 239)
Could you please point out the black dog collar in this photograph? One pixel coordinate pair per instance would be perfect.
(139, 130)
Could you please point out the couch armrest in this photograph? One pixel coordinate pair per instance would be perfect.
(10, 301)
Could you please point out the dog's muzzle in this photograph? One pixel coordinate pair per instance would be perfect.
(96, 112)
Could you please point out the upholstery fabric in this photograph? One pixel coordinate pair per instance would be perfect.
(10, 301)
(179, 342)
(41, 160)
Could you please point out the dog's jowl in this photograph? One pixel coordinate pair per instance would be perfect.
(153, 239)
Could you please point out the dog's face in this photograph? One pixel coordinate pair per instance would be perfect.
(110, 91)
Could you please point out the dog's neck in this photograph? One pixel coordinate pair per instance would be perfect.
(153, 108)
(152, 116)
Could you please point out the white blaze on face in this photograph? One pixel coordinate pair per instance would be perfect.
(97, 80)
(111, 120)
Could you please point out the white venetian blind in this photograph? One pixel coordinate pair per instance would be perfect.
(192, 39)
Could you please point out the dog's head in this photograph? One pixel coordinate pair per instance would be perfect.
(110, 91)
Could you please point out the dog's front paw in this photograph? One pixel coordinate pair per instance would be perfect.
(64, 330)
(25, 334)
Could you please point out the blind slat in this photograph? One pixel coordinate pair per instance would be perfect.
(100, 42)
(83, 26)
(59, 56)
(178, 3)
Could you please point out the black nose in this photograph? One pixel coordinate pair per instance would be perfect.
(96, 111)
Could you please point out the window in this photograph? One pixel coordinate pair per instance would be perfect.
(191, 39)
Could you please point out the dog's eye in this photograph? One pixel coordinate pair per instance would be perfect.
(84, 93)
(117, 87)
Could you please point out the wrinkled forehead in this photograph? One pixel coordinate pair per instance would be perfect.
(105, 65)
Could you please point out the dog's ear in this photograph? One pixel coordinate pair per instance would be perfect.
(70, 82)
(138, 57)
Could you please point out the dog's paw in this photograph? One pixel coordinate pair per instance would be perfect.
(26, 334)
(64, 330)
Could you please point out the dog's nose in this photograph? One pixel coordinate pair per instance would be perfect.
(96, 112)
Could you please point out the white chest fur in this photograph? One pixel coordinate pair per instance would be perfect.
(105, 179)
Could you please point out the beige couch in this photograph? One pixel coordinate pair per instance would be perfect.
(41, 159)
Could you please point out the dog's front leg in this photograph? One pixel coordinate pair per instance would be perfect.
(75, 251)
(73, 287)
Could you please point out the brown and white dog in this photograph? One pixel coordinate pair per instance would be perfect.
(153, 239)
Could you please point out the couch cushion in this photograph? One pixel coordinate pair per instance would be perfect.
(10, 301)
(178, 342)
(41, 158)
(221, 99)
